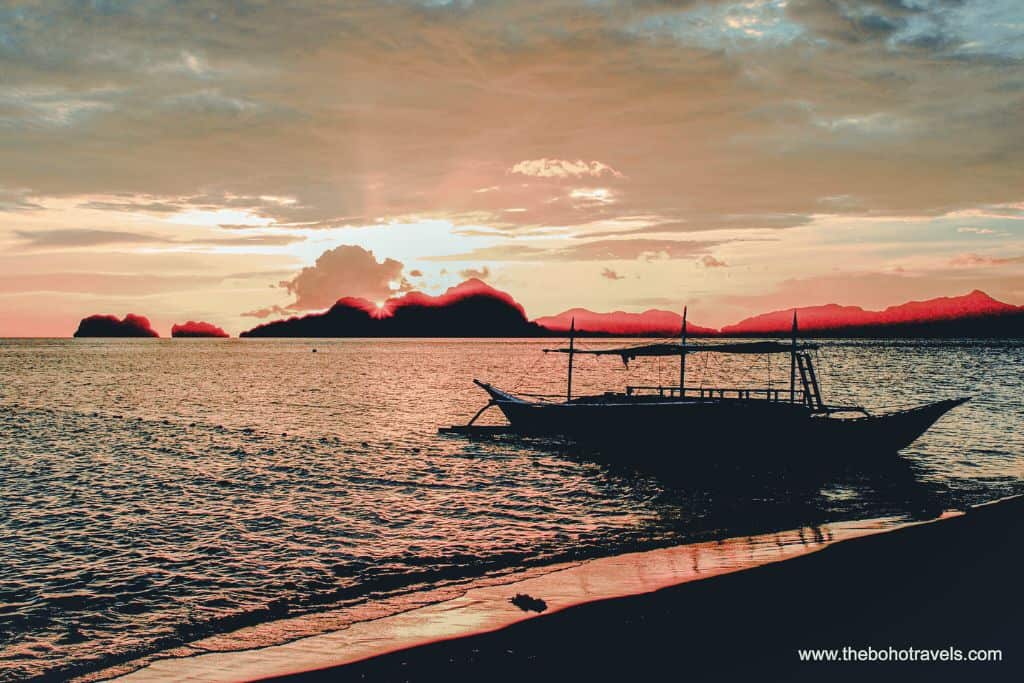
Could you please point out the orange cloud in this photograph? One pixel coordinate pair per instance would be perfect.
(709, 261)
(561, 169)
(345, 270)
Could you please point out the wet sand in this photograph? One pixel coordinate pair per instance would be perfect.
(956, 582)
(697, 612)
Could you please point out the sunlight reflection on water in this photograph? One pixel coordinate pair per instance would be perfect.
(160, 491)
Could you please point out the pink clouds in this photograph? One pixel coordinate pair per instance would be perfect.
(709, 261)
(476, 273)
(563, 169)
(978, 260)
(347, 270)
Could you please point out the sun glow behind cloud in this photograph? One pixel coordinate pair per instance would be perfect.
(218, 217)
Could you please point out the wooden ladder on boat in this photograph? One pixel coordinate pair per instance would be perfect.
(812, 393)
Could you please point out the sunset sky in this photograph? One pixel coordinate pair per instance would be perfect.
(238, 161)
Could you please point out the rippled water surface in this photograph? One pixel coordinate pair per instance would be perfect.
(154, 492)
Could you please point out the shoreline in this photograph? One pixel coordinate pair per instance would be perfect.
(953, 582)
(948, 582)
(487, 609)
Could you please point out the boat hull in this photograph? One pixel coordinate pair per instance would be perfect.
(720, 430)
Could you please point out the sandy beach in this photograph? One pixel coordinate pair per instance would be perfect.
(953, 583)
(721, 610)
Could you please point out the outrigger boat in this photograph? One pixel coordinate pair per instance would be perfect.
(740, 421)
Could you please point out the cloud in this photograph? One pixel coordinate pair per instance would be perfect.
(597, 250)
(976, 260)
(733, 27)
(713, 108)
(267, 312)
(248, 240)
(50, 107)
(212, 102)
(560, 168)
(479, 274)
(69, 238)
(724, 116)
(104, 284)
(610, 274)
(346, 270)
(16, 200)
(134, 206)
(259, 274)
(62, 238)
(599, 195)
(714, 222)
(977, 231)
(709, 261)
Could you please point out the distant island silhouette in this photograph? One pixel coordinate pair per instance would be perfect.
(476, 309)
(197, 329)
(111, 326)
(470, 309)
(974, 314)
(653, 323)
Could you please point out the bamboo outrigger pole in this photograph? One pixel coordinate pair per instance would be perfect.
(792, 364)
(682, 358)
(572, 338)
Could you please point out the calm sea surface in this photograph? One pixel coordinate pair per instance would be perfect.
(154, 492)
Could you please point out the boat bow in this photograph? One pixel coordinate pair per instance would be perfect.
(497, 395)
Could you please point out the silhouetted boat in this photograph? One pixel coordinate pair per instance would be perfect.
(715, 422)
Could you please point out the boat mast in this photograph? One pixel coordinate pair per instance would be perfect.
(682, 358)
(572, 338)
(792, 364)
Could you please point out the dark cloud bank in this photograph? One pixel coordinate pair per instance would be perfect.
(702, 115)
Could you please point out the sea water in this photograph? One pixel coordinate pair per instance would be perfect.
(158, 492)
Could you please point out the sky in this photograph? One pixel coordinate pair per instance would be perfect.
(236, 162)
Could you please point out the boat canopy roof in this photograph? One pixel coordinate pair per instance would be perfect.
(628, 353)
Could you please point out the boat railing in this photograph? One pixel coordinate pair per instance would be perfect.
(772, 394)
